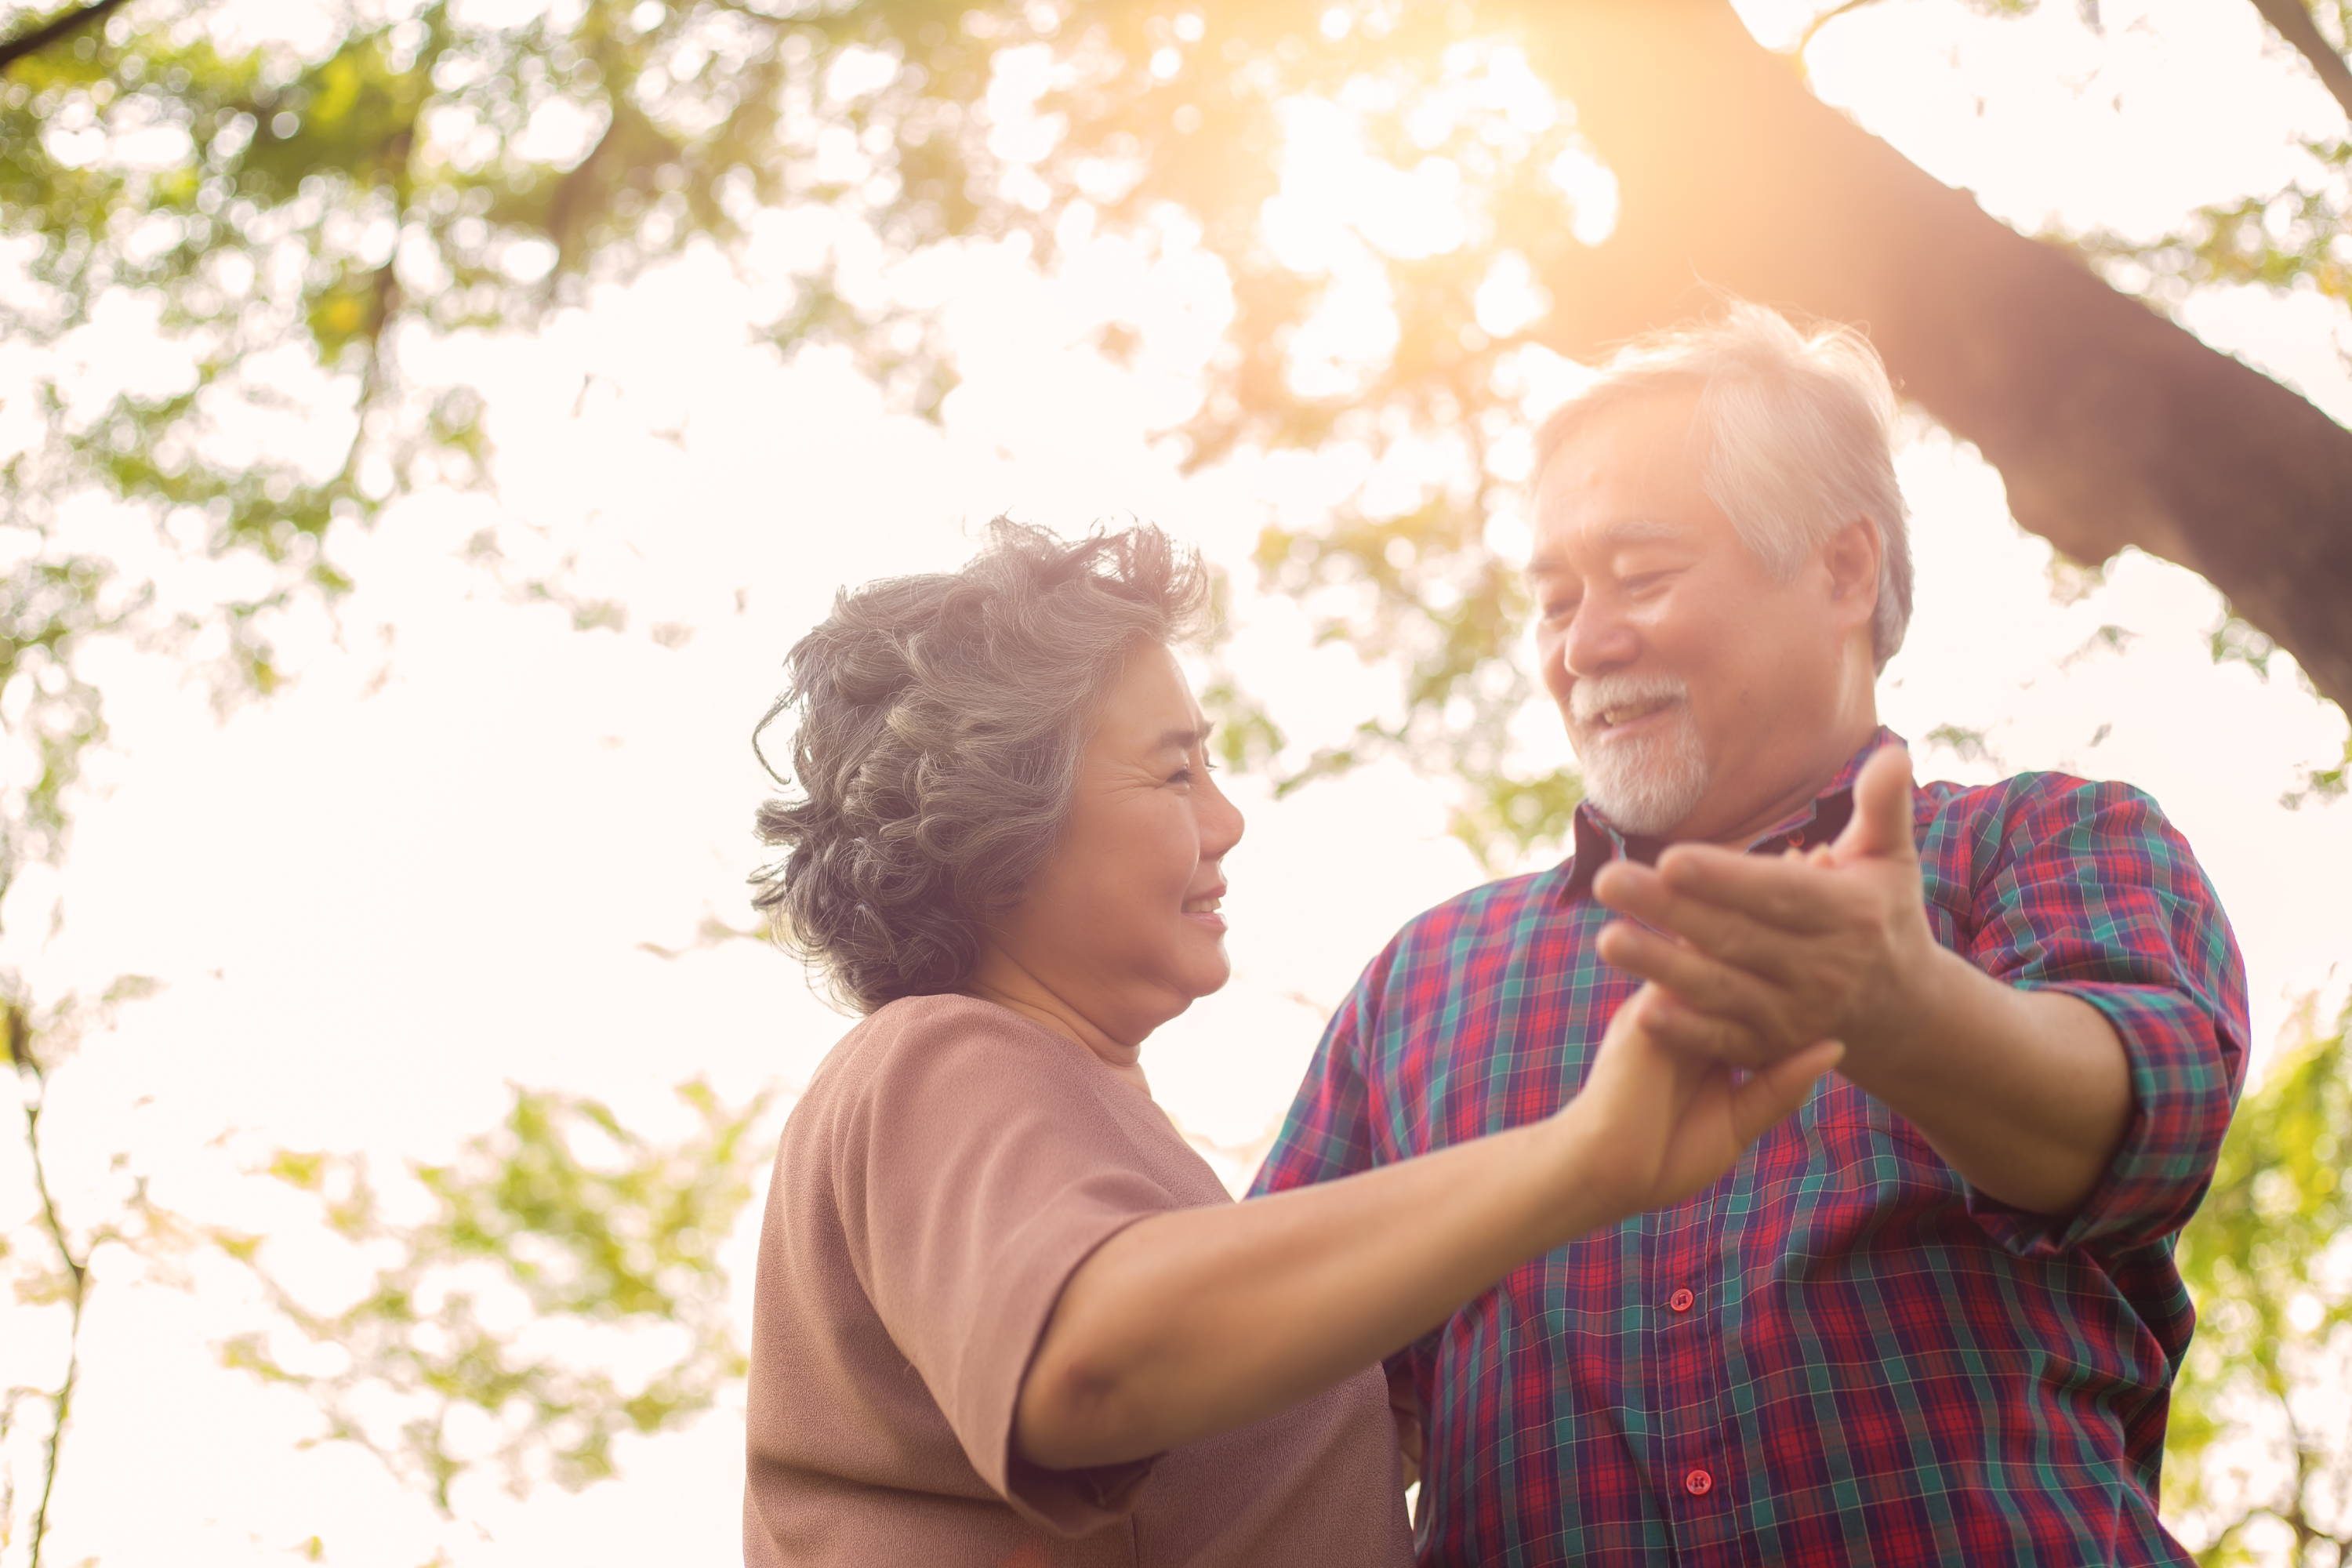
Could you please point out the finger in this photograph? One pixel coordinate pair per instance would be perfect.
(1772, 1094)
(1790, 895)
(1719, 1041)
(1733, 936)
(1695, 981)
(1880, 824)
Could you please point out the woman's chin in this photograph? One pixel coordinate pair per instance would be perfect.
(1205, 975)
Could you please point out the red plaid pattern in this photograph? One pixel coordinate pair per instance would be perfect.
(1840, 1354)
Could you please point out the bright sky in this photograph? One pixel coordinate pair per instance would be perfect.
(421, 876)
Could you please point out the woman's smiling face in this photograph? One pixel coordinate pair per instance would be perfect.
(1122, 921)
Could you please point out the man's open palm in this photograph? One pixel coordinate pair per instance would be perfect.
(1759, 956)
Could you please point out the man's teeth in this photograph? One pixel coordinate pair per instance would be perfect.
(1202, 906)
(1613, 717)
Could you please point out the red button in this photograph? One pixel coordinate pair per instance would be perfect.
(1699, 1483)
(1681, 1300)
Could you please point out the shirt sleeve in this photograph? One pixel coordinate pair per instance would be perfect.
(1329, 1132)
(978, 1170)
(2093, 893)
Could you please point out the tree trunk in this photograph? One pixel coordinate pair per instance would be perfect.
(2109, 425)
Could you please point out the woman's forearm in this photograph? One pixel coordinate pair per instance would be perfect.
(1201, 1319)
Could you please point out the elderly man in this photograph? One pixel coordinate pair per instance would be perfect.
(1934, 1317)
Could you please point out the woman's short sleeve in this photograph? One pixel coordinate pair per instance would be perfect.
(978, 1168)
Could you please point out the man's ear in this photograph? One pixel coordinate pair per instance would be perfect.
(1852, 556)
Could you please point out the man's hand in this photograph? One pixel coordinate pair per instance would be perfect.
(1759, 957)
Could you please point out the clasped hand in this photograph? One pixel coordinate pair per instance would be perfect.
(1756, 958)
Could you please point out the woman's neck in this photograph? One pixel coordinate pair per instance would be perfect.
(1002, 980)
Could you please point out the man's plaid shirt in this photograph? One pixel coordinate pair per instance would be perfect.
(1840, 1354)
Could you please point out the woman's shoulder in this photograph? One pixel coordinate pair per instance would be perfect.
(949, 1047)
(914, 1030)
(944, 1072)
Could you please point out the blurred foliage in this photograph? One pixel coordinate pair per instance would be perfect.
(216, 247)
(288, 213)
(561, 1239)
(2323, 784)
(2258, 1457)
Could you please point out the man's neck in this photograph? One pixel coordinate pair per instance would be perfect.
(1821, 768)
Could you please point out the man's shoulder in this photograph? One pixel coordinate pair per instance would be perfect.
(2034, 801)
(1974, 838)
(1488, 909)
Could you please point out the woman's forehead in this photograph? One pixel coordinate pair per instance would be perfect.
(1149, 707)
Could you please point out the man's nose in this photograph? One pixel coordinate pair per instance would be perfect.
(1600, 638)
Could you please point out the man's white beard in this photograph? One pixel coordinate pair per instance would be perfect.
(1646, 786)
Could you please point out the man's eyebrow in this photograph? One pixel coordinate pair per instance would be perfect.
(1614, 536)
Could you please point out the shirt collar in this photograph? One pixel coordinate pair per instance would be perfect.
(1599, 840)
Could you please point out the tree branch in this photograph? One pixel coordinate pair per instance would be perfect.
(29, 1068)
(2293, 22)
(1842, 9)
(2111, 426)
(40, 38)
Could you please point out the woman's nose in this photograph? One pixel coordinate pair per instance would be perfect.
(1221, 823)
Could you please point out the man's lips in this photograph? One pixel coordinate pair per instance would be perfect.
(1622, 717)
(1203, 907)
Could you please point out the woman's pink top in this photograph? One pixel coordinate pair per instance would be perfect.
(950, 1167)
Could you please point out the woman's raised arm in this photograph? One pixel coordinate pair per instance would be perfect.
(1195, 1321)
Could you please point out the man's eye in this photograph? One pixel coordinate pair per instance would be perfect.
(1559, 609)
(1646, 582)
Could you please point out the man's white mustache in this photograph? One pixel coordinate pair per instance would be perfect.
(1588, 699)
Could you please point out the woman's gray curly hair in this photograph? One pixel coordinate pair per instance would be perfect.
(941, 718)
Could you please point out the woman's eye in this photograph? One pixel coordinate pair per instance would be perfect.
(1645, 581)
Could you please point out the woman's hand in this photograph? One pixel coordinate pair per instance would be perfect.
(1199, 1319)
(1653, 1126)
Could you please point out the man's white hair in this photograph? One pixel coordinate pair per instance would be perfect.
(1793, 434)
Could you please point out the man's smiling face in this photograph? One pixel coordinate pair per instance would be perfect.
(1696, 683)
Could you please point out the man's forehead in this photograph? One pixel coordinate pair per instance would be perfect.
(1625, 477)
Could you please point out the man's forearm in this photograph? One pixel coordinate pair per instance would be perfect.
(2025, 1093)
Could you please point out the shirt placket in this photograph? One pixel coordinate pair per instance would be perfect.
(1695, 1473)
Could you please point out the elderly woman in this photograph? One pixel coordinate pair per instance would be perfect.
(1004, 1314)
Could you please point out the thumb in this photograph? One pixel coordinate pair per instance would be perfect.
(1770, 1094)
(1881, 825)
